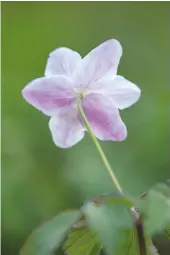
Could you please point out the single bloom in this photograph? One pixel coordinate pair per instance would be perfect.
(95, 81)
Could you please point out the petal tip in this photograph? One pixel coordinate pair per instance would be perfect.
(121, 135)
(25, 93)
(138, 93)
(61, 133)
(117, 45)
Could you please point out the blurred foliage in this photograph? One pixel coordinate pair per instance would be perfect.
(47, 238)
(104, 225)
(39, 179)
(155, 209)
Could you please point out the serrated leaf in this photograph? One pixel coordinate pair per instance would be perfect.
(155, 209)
(82, 242)
(46, 239)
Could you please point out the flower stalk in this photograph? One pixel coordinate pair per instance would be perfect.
(139, 227)
(99, 149)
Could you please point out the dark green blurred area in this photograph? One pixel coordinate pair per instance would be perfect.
(39, 179)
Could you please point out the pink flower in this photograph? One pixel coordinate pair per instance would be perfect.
(94, 79)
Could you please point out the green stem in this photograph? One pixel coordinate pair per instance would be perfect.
(141, 240)
(99, 149)
(139, 227)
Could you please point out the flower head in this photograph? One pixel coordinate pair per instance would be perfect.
(94, 80)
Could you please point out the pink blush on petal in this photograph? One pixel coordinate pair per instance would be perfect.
(100, 124)
(104, 118)
(44, 102)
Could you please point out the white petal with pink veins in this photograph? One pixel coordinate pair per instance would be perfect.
(94, 81)
(101, 61)
(66, 129)
(62, 61)
(123, 92)
(50, 94)
(104, 117)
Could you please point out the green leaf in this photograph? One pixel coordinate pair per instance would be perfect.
(107, 221)
(84, 238)
(127, 243)
(82, 242)
(46, 239)
(155, 209)
(114, 198)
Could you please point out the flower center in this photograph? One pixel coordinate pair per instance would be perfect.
(81, 95)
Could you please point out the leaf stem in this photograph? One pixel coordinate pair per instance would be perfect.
(99, 149)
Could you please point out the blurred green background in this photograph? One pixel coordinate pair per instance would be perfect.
(39, 179)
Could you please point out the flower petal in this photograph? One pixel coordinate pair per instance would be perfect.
(66, 129)
(101, 61)
(62, 61)
(50, 94)
(104, 117)
(123, 92)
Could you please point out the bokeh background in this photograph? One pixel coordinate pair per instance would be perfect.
(38, 179)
